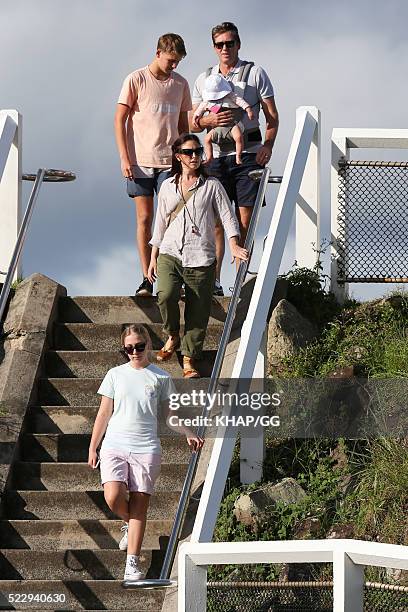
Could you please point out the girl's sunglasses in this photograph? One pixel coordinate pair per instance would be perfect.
(139, 348)
(190, 152)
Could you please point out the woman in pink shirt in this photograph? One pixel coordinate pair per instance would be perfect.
(184, 249)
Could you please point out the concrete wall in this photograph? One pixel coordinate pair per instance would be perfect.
(31, 315)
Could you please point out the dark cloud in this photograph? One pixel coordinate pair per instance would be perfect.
(62, 65)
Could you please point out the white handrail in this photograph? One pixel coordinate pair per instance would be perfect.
(8, 128)
(348, 557)
(256, 320)
(10, 185)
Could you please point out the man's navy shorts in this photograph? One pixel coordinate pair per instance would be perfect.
(241, 189)
(146, 186)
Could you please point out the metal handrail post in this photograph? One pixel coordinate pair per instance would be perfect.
(164, 579)
(20, 240)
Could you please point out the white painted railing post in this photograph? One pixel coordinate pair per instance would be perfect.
(255, 323)
(308, 239)
(348, 584)
(252, 448)
(192, 584)
(339, 150)
(10, 192)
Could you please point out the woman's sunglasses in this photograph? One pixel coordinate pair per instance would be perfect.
(228, 43)
(190, 152)
(139, 348)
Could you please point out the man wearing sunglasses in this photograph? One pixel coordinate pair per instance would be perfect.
(252, 83)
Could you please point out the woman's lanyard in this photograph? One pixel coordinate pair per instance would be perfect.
(194, 226)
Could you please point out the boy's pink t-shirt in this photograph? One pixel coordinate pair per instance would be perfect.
(155, 107)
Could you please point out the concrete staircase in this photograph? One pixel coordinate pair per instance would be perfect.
(58, 538)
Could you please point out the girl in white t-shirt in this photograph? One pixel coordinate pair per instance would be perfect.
(130, 454)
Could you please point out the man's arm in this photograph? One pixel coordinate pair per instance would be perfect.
(121, 115)
(272, 123)
(183, 122)
(211, 120)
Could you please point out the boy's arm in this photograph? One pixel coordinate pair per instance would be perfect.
(121, 116)
(183, 123)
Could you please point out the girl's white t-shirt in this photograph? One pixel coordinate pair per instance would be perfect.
(137, 395)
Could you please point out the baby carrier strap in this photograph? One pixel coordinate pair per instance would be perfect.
(243, 73)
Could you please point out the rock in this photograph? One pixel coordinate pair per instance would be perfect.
(307, 529)
(398, 576)
(339, 532)
(342, 372)
(249, 507)
(288, 331)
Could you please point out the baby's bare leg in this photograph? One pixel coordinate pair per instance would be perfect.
(208, 148)
(239, 143)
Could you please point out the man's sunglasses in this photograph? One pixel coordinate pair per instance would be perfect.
(139, 348)
(190, 152)
(228, 43)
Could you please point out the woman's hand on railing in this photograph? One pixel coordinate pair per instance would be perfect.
(194, 442)
(237, 251)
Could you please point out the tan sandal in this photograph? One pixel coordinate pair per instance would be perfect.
(189, 370)
(165, 353)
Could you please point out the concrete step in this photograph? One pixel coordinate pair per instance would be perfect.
(106, 337)
(69, 392)
(80, 419)
(32, 476)
(125, 309)
(80, 595)
(74, 448)
(72, 564)
(95, 364)
(83, 391)
(61, 419)
(77, 505)
(79, 534)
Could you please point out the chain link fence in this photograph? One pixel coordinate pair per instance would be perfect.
(373, 222)
(298, 597)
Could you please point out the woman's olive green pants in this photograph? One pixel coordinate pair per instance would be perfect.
(199, 287)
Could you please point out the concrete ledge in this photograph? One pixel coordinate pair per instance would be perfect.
(30, 317)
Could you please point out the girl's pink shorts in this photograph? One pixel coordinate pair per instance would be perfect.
(138, 471)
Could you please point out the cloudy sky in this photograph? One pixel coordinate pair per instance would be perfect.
(62, 65)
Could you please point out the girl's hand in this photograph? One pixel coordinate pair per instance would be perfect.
(194, 442)
(238, 252)
(250, 113)
(93, 459)
(152, 271)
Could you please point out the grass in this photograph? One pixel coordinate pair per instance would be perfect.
(366, 490)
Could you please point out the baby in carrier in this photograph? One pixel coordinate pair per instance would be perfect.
(219, 95)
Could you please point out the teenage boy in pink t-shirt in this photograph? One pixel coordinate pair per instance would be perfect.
(152, 111)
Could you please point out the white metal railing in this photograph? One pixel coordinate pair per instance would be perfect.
(255, 323)
(349, 557)
(10, 185)
(344, 139)
(13, 230)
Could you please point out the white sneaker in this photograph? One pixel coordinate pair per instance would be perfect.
(124, 541)
(132, 571)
